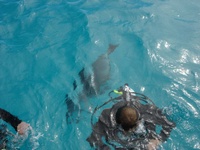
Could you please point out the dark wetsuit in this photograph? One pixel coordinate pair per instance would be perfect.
(12, 120)
(106, 132)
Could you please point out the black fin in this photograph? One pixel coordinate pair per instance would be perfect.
(71, 109)
(74, 85)
(82, 75)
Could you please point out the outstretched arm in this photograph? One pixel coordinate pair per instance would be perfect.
(100, 131)
(14, 121)
(159, 119)
(166, 124)
(95, 139)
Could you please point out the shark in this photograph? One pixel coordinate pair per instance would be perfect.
(93, 82)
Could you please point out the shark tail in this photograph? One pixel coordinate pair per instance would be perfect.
(111, 48)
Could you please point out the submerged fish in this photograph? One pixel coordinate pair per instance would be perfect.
(100, 73)
(91, 83)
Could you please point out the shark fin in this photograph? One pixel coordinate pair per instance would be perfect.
(111, 48)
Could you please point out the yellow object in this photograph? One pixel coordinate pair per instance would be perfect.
(117, 92)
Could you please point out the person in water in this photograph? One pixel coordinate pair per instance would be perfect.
(129, 124)
(19, 126)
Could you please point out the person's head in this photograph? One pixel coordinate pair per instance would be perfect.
(127, 117)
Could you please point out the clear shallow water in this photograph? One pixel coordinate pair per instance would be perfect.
(44, 44)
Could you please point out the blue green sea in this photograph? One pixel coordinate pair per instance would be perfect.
(45, 43)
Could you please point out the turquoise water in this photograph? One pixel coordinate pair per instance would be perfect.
(45, 43)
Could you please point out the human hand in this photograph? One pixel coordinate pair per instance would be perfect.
(22, 128)
(153, 144)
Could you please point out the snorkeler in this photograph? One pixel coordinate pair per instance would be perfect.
(19, 126)
(130, 124)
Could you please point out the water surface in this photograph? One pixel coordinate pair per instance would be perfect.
(44, 44)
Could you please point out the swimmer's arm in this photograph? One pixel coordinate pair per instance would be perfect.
(14, 121)
(9, 118)
(95, 139)
(166, 124)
